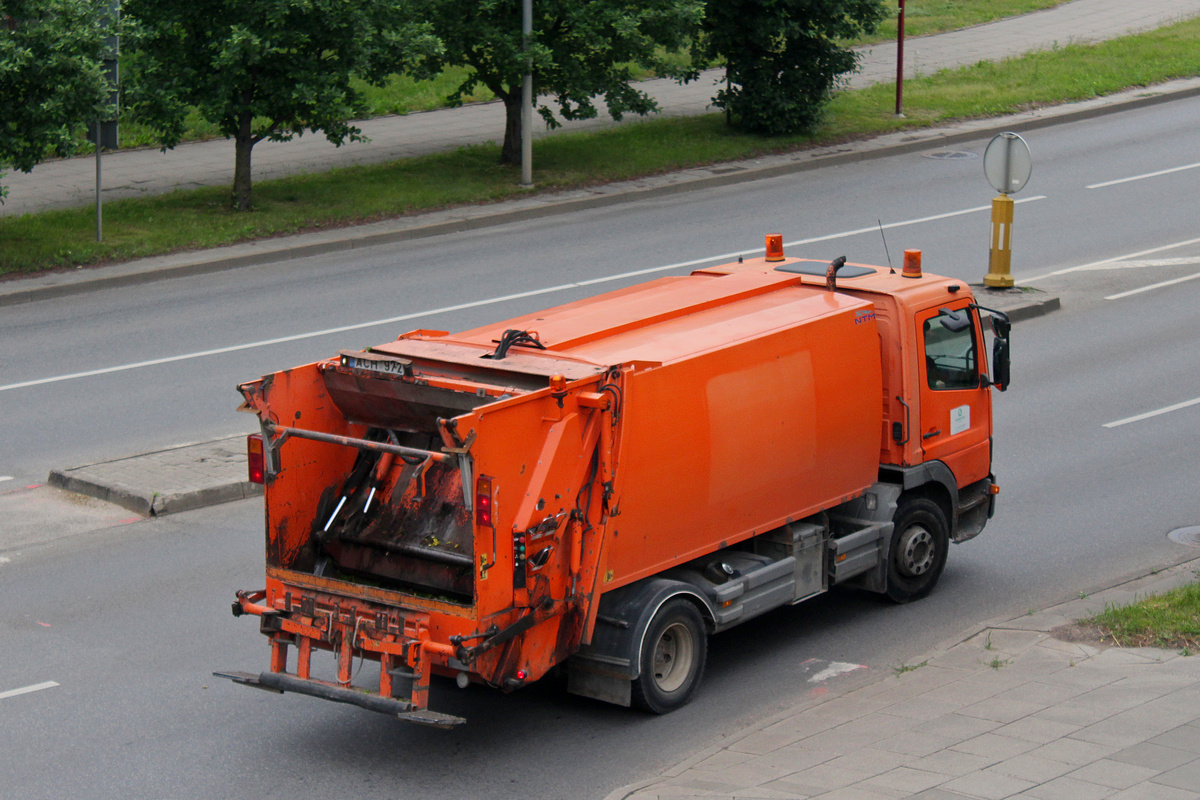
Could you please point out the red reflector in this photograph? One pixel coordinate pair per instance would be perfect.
(255, 463)
(522, 674)
(483, 501)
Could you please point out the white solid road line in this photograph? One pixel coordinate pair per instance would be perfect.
(27, 689)
(4, 478)
(1103, 264)
(488, 301)
(1150, 414)
(1152, 286)
(1143, 263)
(1143, 177)
(890, 225)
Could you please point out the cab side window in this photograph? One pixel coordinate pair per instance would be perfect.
(950, 361)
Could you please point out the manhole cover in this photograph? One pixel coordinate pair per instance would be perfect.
(945, 154)
(1189, 536)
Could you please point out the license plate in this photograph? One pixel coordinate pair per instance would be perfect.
(387, 366)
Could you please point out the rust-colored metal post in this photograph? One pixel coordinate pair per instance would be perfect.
(303, 657)
(346, 658)
(279, 648)
(386, 665)
(900, 62)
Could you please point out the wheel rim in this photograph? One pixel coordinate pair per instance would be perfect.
(916, 552)
(673, 655)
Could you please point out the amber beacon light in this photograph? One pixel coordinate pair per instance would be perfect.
(774, 247)
(912, 264)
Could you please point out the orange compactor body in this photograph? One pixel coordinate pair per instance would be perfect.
(603, 484)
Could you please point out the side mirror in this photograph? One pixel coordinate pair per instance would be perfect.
(1000, 363)
(1001, 327)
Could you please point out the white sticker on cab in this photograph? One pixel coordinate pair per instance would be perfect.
(960, 419)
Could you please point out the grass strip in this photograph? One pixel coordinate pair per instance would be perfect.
(1170, 621)
(200, 218)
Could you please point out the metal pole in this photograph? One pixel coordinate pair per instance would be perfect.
(99, 224)
(527, 96)
(112, 72)
(900, 62)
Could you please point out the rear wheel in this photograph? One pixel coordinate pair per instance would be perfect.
(672, 658)
(920, 543)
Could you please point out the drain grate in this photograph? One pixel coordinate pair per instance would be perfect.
(1189, 536)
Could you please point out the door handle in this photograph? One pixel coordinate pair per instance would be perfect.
(931, 434)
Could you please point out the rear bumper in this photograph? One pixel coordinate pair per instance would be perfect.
(398, 638)
(401, 709)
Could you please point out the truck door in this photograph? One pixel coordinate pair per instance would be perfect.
(955, 406)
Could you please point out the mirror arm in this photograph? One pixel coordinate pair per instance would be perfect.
(998, 314)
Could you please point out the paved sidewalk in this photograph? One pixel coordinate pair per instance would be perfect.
(71, 182)
(1011, 711)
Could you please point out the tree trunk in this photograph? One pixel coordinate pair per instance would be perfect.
(243, 145)
(510, 153)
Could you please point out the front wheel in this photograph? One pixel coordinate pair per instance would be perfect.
(673, 655)
(920, 543)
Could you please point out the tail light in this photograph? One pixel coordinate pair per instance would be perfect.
(255, 462)
(483, 501)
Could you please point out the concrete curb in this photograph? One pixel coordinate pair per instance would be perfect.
(151, 503)
(1020, 303)
(169, 481)
(541, 206)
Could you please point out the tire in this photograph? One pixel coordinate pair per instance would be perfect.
(917, 556)
(673, 655)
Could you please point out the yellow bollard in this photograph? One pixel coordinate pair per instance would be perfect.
(1000, 262)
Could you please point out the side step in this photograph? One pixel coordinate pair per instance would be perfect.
(401, 709)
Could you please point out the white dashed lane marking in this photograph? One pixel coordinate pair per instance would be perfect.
(37, 687)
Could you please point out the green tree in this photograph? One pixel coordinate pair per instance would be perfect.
(51, 79)
(262, 69)
(782, 57)
(581, 50)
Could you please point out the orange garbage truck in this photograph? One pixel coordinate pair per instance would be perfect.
(600, 486)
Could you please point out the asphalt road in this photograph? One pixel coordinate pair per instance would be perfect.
(128, 622)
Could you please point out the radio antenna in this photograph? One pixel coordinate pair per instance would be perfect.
(885, 247)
